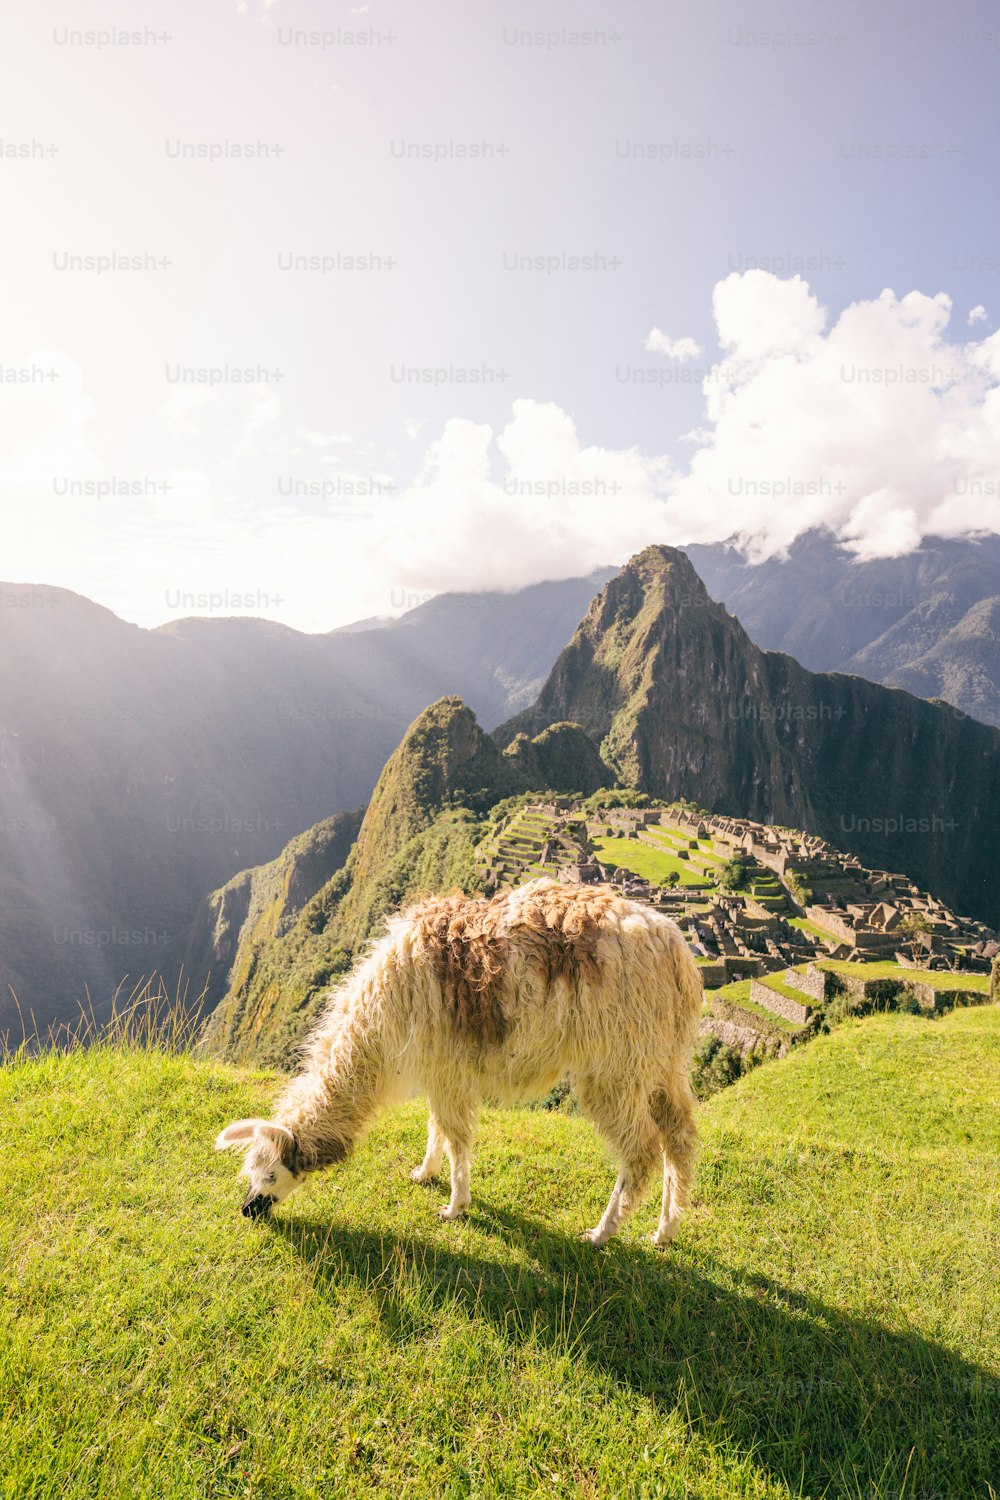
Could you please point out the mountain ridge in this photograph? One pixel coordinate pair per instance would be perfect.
(908, 621)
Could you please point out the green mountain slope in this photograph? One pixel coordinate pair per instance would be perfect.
(825, 1325)
(264, 901)
(684, 705)
(418, 835)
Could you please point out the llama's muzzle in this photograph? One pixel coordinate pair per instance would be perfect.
(257, 1206)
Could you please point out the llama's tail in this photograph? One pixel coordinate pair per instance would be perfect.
(689, 996)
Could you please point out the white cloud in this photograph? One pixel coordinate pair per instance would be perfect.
(532, 502)
(657, 342)
(760, 316)
(411, 426)
(977, 314)
(879, 427)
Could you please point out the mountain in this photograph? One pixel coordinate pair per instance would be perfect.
(419, 834)
(141, 768)
(927, 622)
(498, 647)
(684, 705)
(264, 900)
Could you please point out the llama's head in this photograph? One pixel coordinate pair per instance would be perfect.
(270, 1163)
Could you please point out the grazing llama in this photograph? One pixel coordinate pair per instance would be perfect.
(465, 999)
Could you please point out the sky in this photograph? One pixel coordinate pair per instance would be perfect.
(314, 308)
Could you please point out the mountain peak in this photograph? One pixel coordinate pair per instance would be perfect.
(660, 576)
(445, 757)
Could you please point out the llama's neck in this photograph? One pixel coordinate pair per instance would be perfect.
(328, 1107)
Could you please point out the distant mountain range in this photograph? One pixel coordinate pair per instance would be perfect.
(928, 622)
(141, 768)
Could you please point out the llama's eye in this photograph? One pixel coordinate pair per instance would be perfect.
(273, 1177)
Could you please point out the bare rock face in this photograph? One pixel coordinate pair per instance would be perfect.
(683, 705)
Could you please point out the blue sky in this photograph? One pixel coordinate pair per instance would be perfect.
(671, 147)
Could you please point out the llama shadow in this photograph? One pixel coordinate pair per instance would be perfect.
(826, 1403)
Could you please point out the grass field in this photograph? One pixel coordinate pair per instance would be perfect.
(643, 859)
(826, 1324)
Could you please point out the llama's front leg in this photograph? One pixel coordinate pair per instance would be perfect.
(611, 1217)
(431, 1164)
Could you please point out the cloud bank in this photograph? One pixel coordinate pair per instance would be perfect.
(881, 425)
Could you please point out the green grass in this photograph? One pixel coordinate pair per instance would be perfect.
(776, 982)
(643, 859)
(884, 969)
(737, 990)
(826, 1324)
(804, 925)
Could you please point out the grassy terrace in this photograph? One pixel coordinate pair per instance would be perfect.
(776, 983)
(738, 993)
(700, 851)
(885, 970)
(826, 1324)
(642, 859)
(814, 930)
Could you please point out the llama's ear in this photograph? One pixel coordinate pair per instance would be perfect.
(280, 1135)
(239, 1133)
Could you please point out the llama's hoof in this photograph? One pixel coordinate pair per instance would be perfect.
(419, 1175)
(452, 1213)
(663, 1237)
(594, 1237)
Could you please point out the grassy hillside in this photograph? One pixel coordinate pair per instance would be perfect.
(826, 1325)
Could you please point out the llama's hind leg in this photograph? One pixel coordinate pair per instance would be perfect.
(431, 1164)
(673, 1111)
(630, 1129)
(457, 1123)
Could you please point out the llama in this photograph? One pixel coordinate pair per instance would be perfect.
(465, 999)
